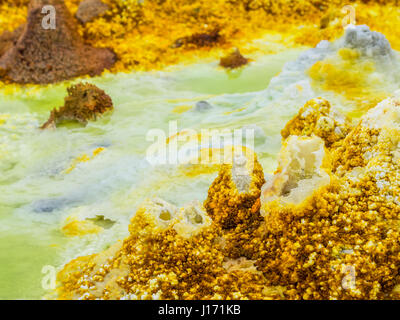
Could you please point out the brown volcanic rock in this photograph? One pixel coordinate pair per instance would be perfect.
(89, 10)
(233, 60)
(9, 39)
(49, 55)
(84, 102)
(199, 40)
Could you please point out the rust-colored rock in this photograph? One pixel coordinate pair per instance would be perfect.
(9, 39)
(84, 102)
(233, 60)
(42, 55)
(89, 10)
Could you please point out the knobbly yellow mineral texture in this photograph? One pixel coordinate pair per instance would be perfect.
(163, 259)
(152, 34)
(325, 226)
(317, 117)
(341, 241)
(233, 195)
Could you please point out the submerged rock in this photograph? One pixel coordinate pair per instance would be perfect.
(253, 130)
(202, 106)
(50, 205)
(84, 102)
(47, 55)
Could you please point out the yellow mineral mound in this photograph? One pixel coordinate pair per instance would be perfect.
(170, 254)
(340, 242)
(328, 227)
(317, 117)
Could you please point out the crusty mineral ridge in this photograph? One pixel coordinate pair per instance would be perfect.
(378, 129)
(157, 261)
(341, 241)
(232, 197)
(84, 102)
(42, 55)
(329, 229)
(303, 168)
(317, 117)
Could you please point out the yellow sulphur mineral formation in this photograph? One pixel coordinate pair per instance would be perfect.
(324, 226)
